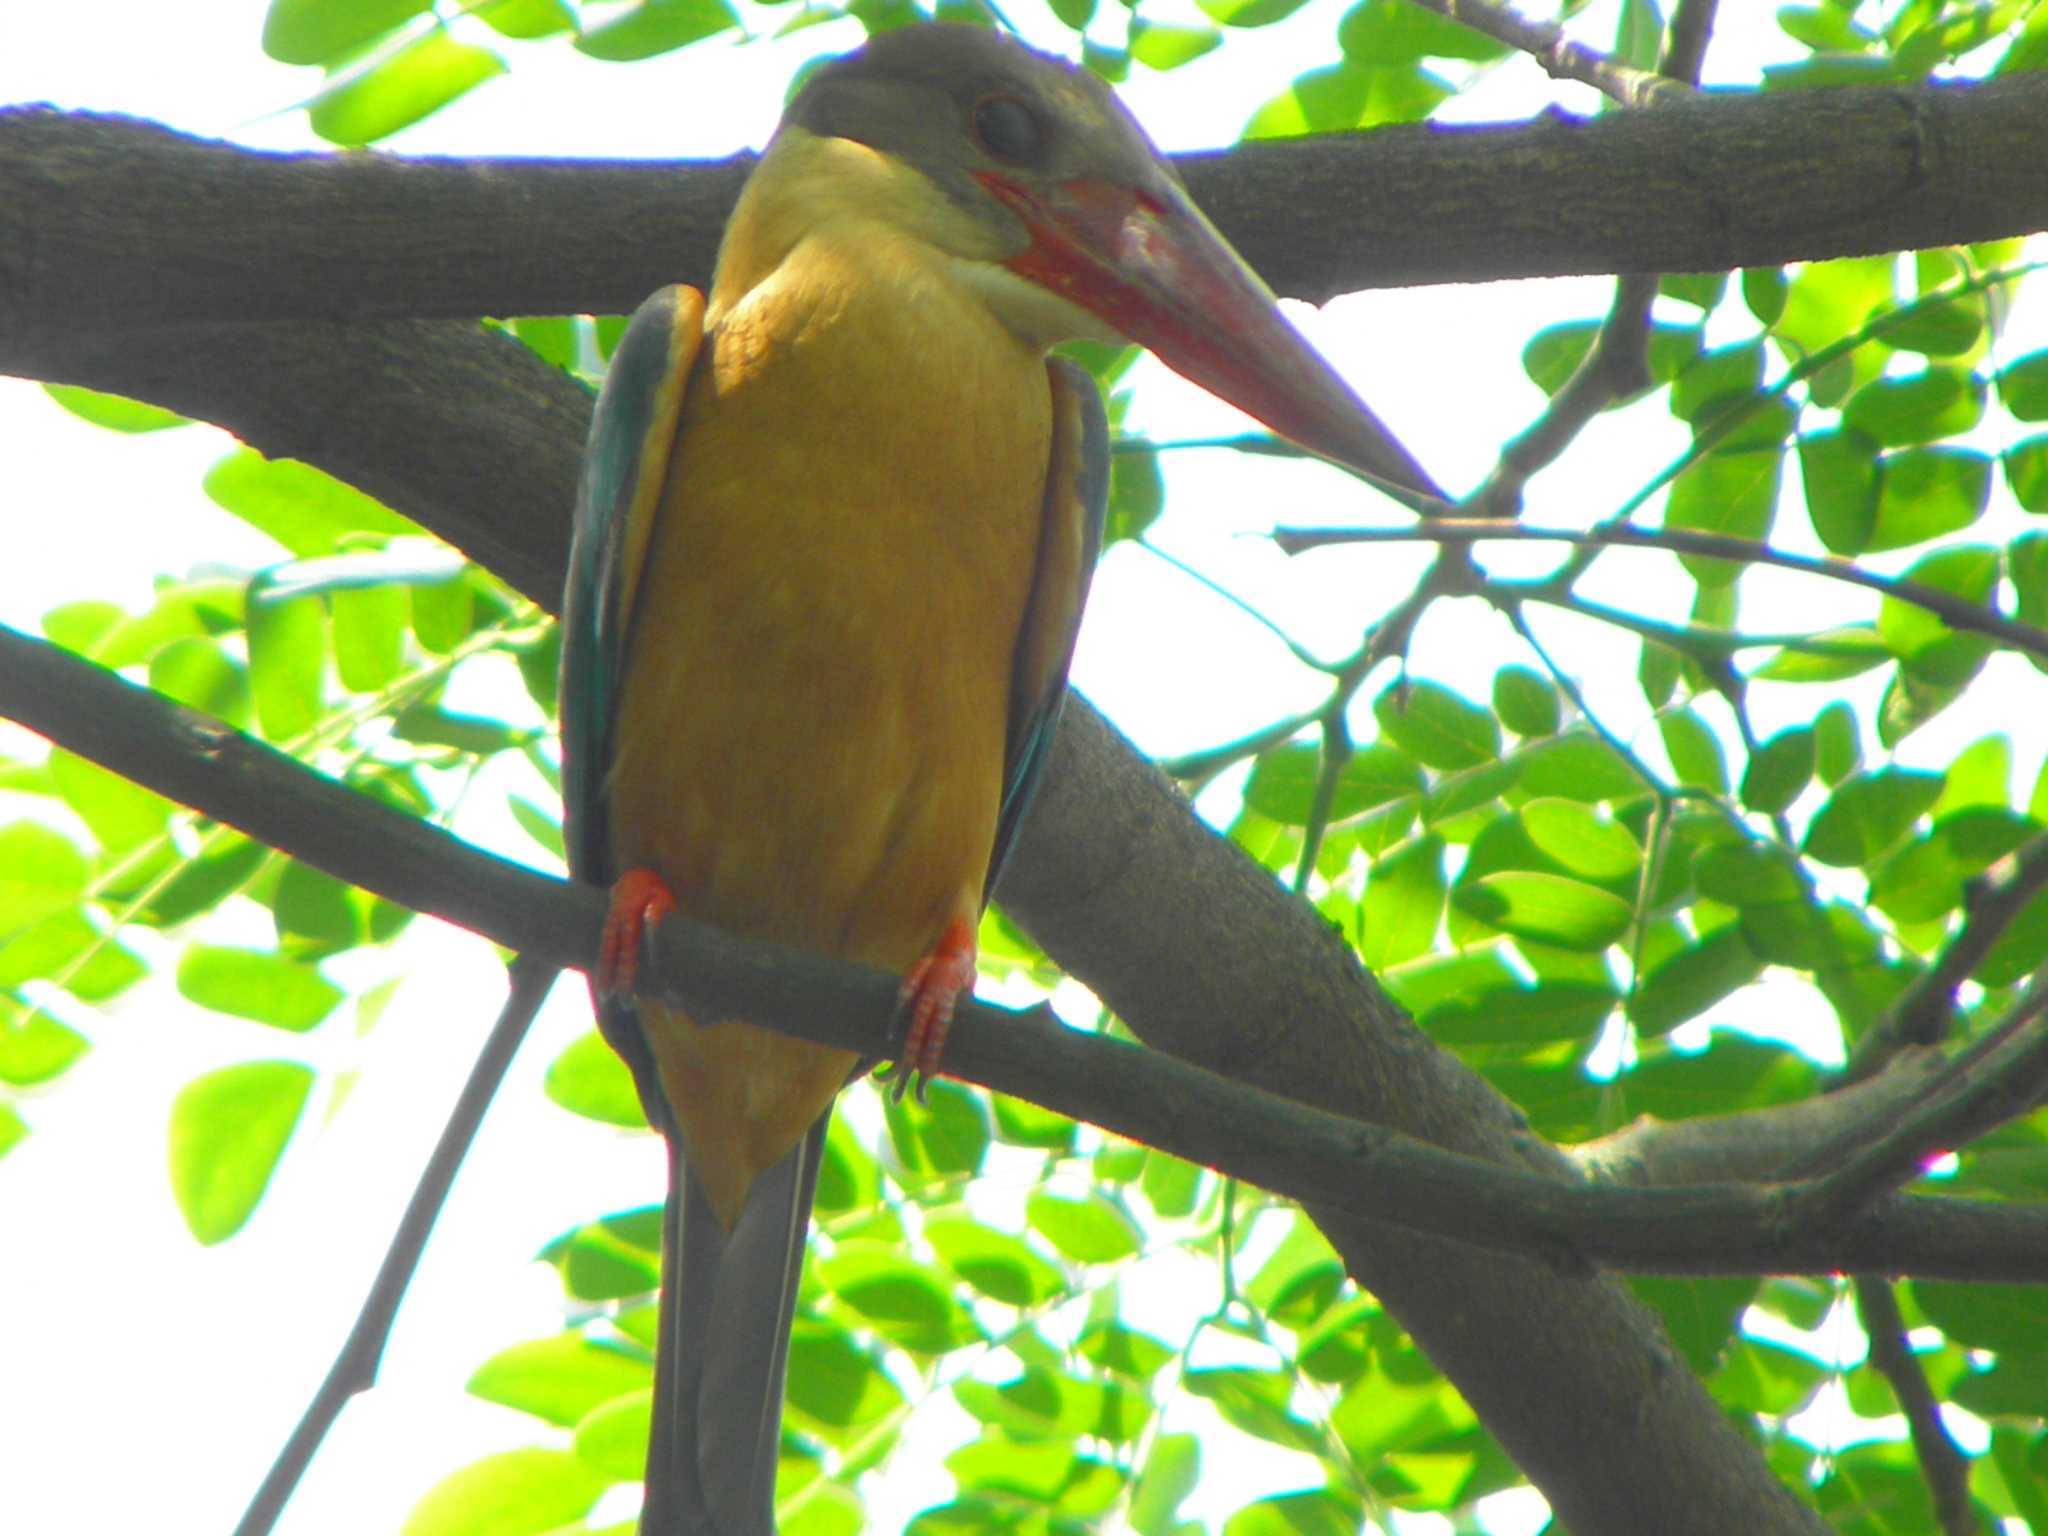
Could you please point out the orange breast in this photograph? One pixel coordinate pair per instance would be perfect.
(811, 733)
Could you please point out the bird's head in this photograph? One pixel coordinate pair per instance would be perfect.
(1049, 200)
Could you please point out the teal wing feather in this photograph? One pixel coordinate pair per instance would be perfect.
(625, 461)
(1076, 501)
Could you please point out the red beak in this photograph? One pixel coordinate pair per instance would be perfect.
(1149, 263)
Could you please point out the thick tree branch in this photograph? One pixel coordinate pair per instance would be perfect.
(1737, 179)
(1367, 1171)
(1760, 1144)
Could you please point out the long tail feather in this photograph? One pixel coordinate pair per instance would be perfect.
(726, 1304)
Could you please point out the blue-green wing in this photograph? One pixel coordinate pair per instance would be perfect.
(625, 464)
(1070, 539)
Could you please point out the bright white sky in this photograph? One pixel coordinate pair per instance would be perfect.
(120, 1330)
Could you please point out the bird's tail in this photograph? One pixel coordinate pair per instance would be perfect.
(726, 1304)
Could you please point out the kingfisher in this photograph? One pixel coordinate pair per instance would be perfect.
(833, 536)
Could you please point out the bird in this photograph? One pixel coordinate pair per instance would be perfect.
(833, 535)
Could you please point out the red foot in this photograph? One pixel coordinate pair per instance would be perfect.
(640, 900)
(929, 991)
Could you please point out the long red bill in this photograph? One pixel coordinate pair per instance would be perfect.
(1149, 263)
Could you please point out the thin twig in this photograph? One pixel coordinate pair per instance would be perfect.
(355, 1366)
(1922, 1012)
(1941, 1459)
(1561, 58)
(1956, 612)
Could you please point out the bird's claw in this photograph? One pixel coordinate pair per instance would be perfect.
(640, 900)
(925, 1002)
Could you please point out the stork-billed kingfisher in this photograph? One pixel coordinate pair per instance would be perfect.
(835, 527)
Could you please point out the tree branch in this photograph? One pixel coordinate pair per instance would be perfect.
(1947, 1469)
(362, 1352)
(1956, 612)
(1738, 180)
(1366, 1171)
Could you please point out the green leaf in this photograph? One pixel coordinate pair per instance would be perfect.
(65, 947)
(2005, 1319)
(2023, 386)
(200, 675)
(117, 413)
(1897, 412)
(1554, 354)
(1090, 1230)
(122, 814)
(1925, 645)
(1381, 32)
(1283, 781)
(1837, 744)
(228, 1129)
(1317, 1512)
(398, 90)
(1164, 1483)
(997, 1264)
(1403, 904)
(287, 658)
(1075, 13)
(588, 1079)
(559, 1378)
(1580, 841)
(369, 636)
(1734, 494)
(833, 1382)
(1869, 814)
(1580, 766)
(306, 510)
(1345, 96)
(256, 984)
(318, 31)
(514, 1493)
(35, 1048)
(1552, 909)
(1257, 1402)
(1924, 493)
(1509, 1013)
(1692, 981)
(1526, 702)
(1694, 750)
(443, 614)
(1779, 771)
(897, 1297)
(1748, 875)
(1717, 380)
(1162, 46)
(1250, 13)
(1699, 1314)
(615, 1257)
(526, 18)
(611, 1440)
(2026, 471)
(41, 873)
(1839, 472)
(1829, 300)
(655, 27)
(1842, 654)
(1437, 727)
(1763, 290)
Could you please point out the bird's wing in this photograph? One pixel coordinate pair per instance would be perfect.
(625, 465)
(1070, 538)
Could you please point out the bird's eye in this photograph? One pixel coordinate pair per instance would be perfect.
(1007, 128)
